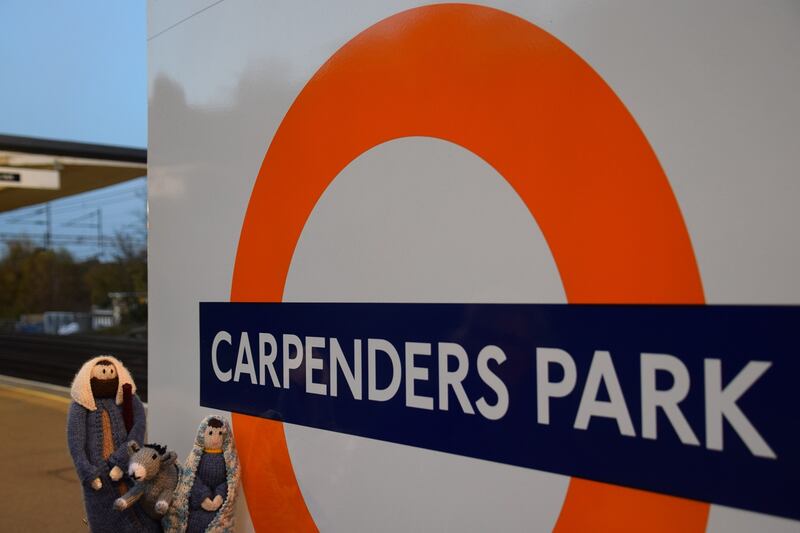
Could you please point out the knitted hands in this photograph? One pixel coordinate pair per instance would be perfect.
(212, 505)
(115, 474)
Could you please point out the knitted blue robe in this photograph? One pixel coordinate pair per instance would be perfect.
(210, 481)
(85, 440)
(180, 513)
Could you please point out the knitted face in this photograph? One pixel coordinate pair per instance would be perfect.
(214, 435)
(145, 461)
(104, 379)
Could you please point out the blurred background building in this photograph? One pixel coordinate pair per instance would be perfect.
(73, 230)
(73, 191)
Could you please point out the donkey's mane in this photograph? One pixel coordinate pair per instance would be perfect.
(157, 447)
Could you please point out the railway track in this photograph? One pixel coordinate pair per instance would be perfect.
(56, 359)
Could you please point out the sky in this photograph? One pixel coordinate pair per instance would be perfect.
(77, 71)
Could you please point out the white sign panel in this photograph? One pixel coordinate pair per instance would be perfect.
(402, 153)
(29, 178)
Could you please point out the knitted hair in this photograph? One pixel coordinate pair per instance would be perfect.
(82, 383)
(177, 517)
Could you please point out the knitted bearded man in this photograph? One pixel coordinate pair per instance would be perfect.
(104, 415)
(205, 495)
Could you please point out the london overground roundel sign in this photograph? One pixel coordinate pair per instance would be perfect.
(655, 410)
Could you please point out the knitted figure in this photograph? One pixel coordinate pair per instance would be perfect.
(155, 475)
(207, 488)
(104, 414)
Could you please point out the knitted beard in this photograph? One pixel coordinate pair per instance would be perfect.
(104, 388)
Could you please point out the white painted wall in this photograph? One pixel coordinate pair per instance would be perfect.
(712, 84)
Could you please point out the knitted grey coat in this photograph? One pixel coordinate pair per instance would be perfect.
(85, 441)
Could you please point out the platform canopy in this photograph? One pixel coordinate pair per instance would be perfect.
(35, 170)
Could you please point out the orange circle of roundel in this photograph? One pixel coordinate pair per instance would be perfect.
(520, 99)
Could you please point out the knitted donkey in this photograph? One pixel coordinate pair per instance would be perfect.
(155, 475)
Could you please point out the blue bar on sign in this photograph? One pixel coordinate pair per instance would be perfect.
(693, 401)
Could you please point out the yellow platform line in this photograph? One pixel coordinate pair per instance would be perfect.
(23, 393)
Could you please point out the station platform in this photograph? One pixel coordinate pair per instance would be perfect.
(41, 492)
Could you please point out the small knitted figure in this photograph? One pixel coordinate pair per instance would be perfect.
(155, 476)
(205, 495)
(105, 413)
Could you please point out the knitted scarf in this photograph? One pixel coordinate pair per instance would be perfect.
(177, 517)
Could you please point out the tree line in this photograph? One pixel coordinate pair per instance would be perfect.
(35, 279)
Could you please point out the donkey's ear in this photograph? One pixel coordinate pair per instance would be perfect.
(133, 447)
(170, 457)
